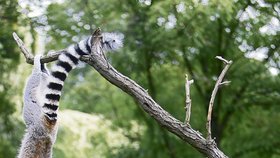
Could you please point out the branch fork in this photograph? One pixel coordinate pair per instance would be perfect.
(219, 83)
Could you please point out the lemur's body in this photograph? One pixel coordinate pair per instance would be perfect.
(41, 97)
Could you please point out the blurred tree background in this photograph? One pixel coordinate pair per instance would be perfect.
(164, 40)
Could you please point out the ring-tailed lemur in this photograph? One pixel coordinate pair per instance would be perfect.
(42, 93)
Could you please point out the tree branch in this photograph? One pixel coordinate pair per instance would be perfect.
(29, 57)
(98, 62)
(219, 82)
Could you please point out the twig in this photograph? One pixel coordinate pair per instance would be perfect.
(213, 95)
(222, 59)
(188, 100)
(29, 57)
(225, 83)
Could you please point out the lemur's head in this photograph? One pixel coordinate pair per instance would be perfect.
(112, 41)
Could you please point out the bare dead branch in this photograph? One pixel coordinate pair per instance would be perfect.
(188, 100)
(30, 57)
(186, 133)
(213, 95)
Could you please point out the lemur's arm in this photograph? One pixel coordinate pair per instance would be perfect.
(42, 94)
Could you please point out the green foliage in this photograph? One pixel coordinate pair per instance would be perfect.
(157, 56)
(163, 41)
(76, 134)
(9, 58)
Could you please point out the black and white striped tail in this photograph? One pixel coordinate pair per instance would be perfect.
(59, 72)
(68, 61)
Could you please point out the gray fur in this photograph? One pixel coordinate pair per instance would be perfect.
(40, 135)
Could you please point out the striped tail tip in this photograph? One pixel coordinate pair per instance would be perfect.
(50, 111)
(51, 118)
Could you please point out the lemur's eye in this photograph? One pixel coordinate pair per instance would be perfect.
(114, 40)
